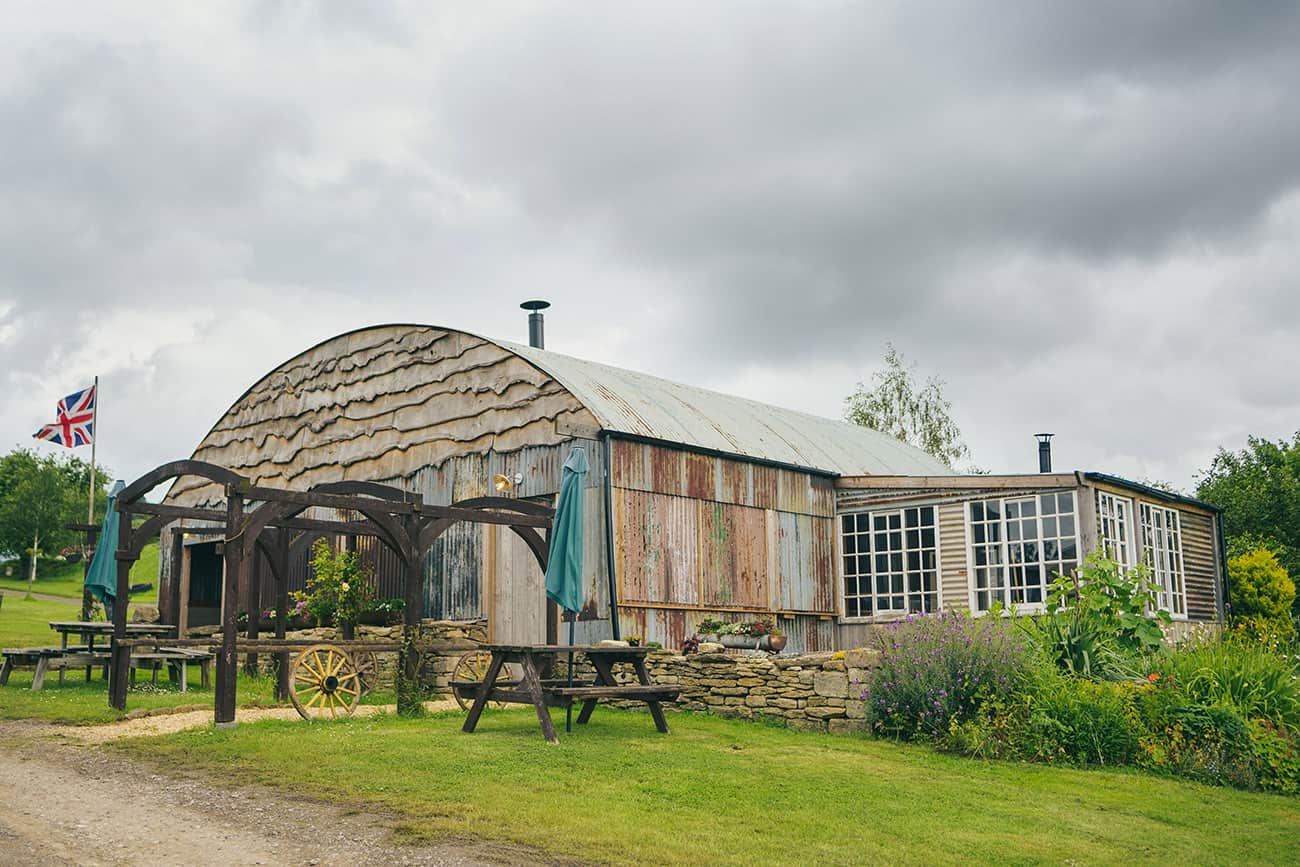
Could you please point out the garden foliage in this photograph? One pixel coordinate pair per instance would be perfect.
(1221, 711)
(339, 586)
(1261, 594)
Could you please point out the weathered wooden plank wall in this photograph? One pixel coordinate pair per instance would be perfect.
(701, 536)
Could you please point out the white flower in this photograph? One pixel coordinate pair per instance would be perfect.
(344, 587)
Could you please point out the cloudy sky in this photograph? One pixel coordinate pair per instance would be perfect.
(1085, 217)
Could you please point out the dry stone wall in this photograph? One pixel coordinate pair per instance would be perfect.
(815, 691)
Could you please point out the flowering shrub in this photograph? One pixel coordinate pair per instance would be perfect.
(938, 668)
(338, 588)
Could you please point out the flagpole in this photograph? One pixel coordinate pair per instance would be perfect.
(94, 438)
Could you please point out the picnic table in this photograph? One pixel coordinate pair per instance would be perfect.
(88, 630)
(535, 687)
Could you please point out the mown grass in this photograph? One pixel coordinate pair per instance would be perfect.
(67, 579)
(76, 702)
(727, 792)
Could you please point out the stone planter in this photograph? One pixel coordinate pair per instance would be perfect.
(769, 643)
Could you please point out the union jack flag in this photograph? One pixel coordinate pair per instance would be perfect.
(75, 424)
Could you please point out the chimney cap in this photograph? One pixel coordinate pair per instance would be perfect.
(1044, 437)
(535, 305)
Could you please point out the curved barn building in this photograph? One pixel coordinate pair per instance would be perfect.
(699, 504)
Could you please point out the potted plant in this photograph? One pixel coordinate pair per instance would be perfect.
(383, 612)
(760, 634)
(338, 588)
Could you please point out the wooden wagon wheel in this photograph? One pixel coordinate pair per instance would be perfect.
(367, 670)
(474, 666)
(324, 682)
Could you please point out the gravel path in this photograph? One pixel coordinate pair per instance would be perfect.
(56, 809)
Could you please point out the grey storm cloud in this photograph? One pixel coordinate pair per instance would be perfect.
(1082, 216)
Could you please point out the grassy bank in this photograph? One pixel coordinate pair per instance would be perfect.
(727, 792)
(66, 579)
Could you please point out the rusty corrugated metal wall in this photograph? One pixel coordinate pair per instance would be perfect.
(700, 536)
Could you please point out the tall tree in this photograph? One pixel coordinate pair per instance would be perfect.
(1258, 489)
(916, 413)
(39, 495)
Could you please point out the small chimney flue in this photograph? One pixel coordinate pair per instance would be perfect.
(1044, 452)
(536, 324)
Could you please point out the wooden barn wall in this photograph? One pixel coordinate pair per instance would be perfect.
(699, 536)
(382, 404)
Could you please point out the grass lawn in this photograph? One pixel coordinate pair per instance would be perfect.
(25, 623)
(728, 792)
(67, 579)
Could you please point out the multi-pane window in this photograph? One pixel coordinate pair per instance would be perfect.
(1162, 548)
(891, 563)
(1114, 521)
(1018, 545)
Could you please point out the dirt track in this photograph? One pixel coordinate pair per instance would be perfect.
(55, 809)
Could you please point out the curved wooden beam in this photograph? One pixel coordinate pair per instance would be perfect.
(539, 546)
(505, 504)
(158, 475)
(367, 489)
(146, 533)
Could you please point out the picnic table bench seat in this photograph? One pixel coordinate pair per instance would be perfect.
(45, 659)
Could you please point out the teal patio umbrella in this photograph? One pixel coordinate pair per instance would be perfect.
(101, 577)
(564, 563)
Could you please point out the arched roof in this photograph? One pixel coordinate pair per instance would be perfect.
(386, 401)
(627, 402)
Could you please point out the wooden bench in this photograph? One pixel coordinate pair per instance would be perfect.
(652, 692)
(45, 659)
(177, 660)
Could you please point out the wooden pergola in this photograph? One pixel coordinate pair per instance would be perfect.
(270, 522)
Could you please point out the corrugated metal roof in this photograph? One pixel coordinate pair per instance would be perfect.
(628, 402)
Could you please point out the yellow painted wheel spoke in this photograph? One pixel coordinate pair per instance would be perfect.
(348, 691)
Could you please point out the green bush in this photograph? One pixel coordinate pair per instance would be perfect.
(1255, 682)
(1084, 721)
(1275, 759)
(1259, 587)
(1098, 617)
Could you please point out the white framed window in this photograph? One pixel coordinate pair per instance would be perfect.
(1115, 528)
(1162, 549)
(1018, 545)
(890, 562)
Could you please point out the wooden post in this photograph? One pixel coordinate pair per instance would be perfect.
(171, 612)
(282, 614)
(253, 605)
(121, 656)
(227, 659)
(408, 663)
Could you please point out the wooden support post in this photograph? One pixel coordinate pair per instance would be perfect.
(282, 614)
(408, 664)
(227, 658)
(253, 605)
(171, 611)
(121, 656)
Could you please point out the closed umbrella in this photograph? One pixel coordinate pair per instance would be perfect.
(101, 578)
(564, 563)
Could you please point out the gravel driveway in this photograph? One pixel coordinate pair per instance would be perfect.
(55, 810)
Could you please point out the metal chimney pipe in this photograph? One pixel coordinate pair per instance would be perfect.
(536, 325)
(1044, 452)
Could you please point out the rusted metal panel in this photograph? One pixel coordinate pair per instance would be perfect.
(666, 469)
(631, 465)
(805, 564)
(792, 490)
(733, 482)
(656, 548)
(733, 556)
(701, 476)
(763, 491)
(821, 497)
